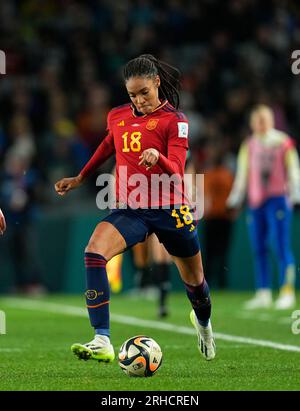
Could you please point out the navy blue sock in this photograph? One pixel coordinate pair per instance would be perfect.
(200, 300)
(97, 292)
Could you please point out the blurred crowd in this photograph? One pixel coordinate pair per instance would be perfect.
(64, 72)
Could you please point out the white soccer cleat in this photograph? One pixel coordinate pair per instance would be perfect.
(99, 349)
(206, 343)
(285, 301)
(262, 299)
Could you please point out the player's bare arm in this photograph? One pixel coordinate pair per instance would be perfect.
(66, 184)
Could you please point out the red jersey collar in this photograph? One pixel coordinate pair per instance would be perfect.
(134, 110)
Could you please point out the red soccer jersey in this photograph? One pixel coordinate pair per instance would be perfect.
(166, 130)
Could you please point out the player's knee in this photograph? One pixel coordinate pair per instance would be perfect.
(199, 278)
(94, 247)
(194, 278)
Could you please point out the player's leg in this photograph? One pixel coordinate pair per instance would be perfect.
(161, 268)
(105, 243)
(258, 232)
(192, 275)
(279, 214)
(191, 272)
(120, 230)
(177, 231)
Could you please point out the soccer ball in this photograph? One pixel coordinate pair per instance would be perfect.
(140, 356)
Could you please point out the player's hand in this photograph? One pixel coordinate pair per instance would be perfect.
(2, 223)
(66, 184)
(149, 158)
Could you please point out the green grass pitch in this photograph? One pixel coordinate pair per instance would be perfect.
(35, 351)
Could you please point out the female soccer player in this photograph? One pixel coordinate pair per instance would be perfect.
(268, 170)
(2, 223)
(148, 136)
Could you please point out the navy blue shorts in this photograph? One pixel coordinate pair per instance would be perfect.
(175, 229)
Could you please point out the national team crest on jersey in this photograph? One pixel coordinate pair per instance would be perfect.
(151, 125)
(183, 129)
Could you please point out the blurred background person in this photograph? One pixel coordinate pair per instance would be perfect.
(143, 281)
(152, 276)
(161, 266)
(268, 172)
(19, 182)
(218, 180)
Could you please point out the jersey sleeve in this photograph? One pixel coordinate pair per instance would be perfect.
(103, 152)
(293, 170)
(174, 163)
(239, 188)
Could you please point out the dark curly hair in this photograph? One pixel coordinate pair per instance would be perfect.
(147, 65)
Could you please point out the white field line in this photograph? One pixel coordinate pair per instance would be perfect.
(264, 317)
(127, 320)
